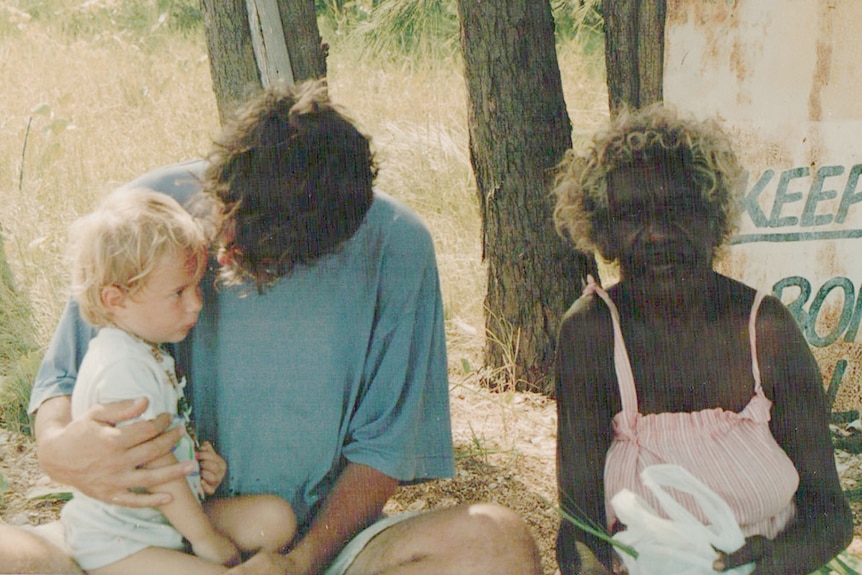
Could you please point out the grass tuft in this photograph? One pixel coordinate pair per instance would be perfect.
(425, 29)
(15, 387)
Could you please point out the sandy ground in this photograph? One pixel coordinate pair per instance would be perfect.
(505, 453)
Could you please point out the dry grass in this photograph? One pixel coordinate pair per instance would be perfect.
(78, 116)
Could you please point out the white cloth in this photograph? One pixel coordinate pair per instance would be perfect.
(678, 544)
(119, 366)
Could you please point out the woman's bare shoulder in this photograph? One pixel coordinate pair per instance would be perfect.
(586, 333)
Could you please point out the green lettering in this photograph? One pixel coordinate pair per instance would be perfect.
(818, 194)
(850, 196)
(782, 197)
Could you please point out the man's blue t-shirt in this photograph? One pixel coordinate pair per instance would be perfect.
(342, 360)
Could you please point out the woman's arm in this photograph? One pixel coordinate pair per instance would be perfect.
(823, 525)
(586, 401)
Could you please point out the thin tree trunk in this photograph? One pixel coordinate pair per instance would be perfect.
(308, 54)
(231, 55)
(634, 51)
(519, 130)
(238, 68)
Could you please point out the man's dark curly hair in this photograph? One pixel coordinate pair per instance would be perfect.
(656, 135)
(293, 177)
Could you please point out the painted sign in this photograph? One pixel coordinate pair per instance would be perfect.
(782, 77)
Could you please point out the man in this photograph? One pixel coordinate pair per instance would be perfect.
(318, 366)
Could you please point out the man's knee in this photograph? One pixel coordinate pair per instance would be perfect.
(496, 534)
(502, 516)
(466, 540)
(486, 530)
(22, 551)
(499, 521)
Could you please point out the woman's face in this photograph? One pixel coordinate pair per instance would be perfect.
(660, 228)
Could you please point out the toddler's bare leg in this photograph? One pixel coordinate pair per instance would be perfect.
(158, 561)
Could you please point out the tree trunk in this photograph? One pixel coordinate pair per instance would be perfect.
(307, 52)
(634, 51)
(284, 43)
(519, 129)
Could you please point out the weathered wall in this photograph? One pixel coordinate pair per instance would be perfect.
(782, 77)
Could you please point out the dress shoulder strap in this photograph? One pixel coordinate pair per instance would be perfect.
(752, 337)
(622, 365)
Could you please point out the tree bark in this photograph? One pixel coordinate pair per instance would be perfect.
(308, 54)
(519, 130)
(634, 51)
(231, 55)
(239, 69)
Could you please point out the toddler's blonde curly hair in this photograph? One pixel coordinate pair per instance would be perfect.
(122, 241)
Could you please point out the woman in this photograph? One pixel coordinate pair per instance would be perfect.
(679, 364)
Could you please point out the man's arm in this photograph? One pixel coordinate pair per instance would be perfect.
(102, 460)
(355, 501)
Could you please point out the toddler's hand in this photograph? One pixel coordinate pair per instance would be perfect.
(213, 468)
(218, 549)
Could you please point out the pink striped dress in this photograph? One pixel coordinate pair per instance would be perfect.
(733, 453)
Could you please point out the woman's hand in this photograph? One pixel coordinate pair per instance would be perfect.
(213, 468)
(590, 565)
(755, 549)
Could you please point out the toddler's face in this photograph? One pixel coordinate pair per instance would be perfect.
(168, 304)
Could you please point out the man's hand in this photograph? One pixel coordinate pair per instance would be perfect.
(102, 460)
(268, 563)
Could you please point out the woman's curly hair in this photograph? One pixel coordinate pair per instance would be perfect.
(654, 135)
(292, 178)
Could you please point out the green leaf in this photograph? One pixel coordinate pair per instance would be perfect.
(49, 494)
(589, 527)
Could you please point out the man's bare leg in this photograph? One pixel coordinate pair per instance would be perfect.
(22, 551)
(471, 539)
